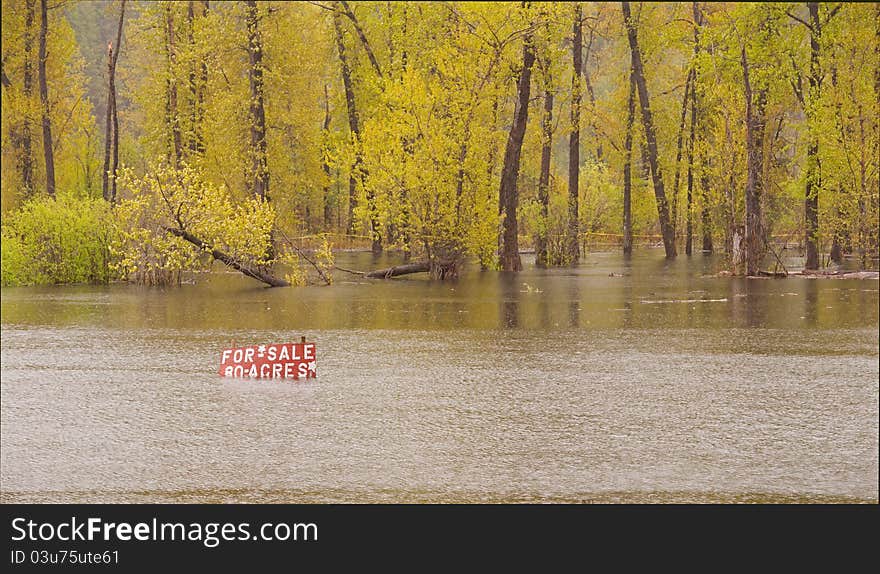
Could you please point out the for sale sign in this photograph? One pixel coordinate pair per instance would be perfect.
(277, 361)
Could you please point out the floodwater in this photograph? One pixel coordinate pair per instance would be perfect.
(659, 383)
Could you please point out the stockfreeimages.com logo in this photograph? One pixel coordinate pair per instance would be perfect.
(210, 534)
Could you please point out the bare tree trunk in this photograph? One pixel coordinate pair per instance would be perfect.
(706, 221)
(48, 152)
(755, 122)
(873, 240)
(197, 81)
(325, 167)
(650, 135)
(192, 144)
(405, 229)
(4, 79)
(259, 162)
(199, 117)
(357, 169)
(685, 100)
(592, 95)
(420, 267)
(544, 177)
(363, 37)
(108, 130)
(689, 231)
(171, 116)
(111, 133)
(491, 162)
(811, 195)
(114, 166)
(574, 141)
(27, 154)
(351, 108)
(508, 195)
(627, 165)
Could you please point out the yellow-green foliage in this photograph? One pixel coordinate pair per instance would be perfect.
(296, 274)
(182, 199)
(74, 131)
(56, 240)
(434, 87)
(324, 258)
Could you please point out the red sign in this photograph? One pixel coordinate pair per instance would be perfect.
(279, 361)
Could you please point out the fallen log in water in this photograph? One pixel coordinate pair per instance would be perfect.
(248, 270)
(839, 274)
(420, 267)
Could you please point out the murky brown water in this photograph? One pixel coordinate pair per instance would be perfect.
(663, 385)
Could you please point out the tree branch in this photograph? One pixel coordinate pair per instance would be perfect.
(793, 17)
(360, 32)
(227, 259)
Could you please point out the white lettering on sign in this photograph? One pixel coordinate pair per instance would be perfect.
(287, 361)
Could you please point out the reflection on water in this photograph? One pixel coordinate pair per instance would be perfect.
(637, 380)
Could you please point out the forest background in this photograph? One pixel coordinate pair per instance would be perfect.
(143, 140)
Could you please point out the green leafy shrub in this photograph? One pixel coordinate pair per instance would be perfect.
(57, 240)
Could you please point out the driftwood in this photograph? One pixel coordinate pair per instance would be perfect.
(249, 270)
(420, 267)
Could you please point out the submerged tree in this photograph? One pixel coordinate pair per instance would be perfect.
(509, 193)
(574, 142)
(650, 133)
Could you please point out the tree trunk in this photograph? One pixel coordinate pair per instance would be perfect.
(650, 135)
(420, 267)
(508, 195)
(363, 37)
(200, 98)
(114, 165)
(48, 152)
(27, 153)
(574, 141)
(685, 100)
(353, 128)
(249, 270)
(357, 168)
(111, 133)
(405, 225)
(706, 219)
(108, 130)
(544, 178)
(193, 90)
(325, 166)
(591, 93)
(755, 121)
(811, 195)
(627, 165)
(873, 232)
(171, 116)
(197, 80)
(259, 162)
(689, 231)
(836, 254)
(706, 222)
